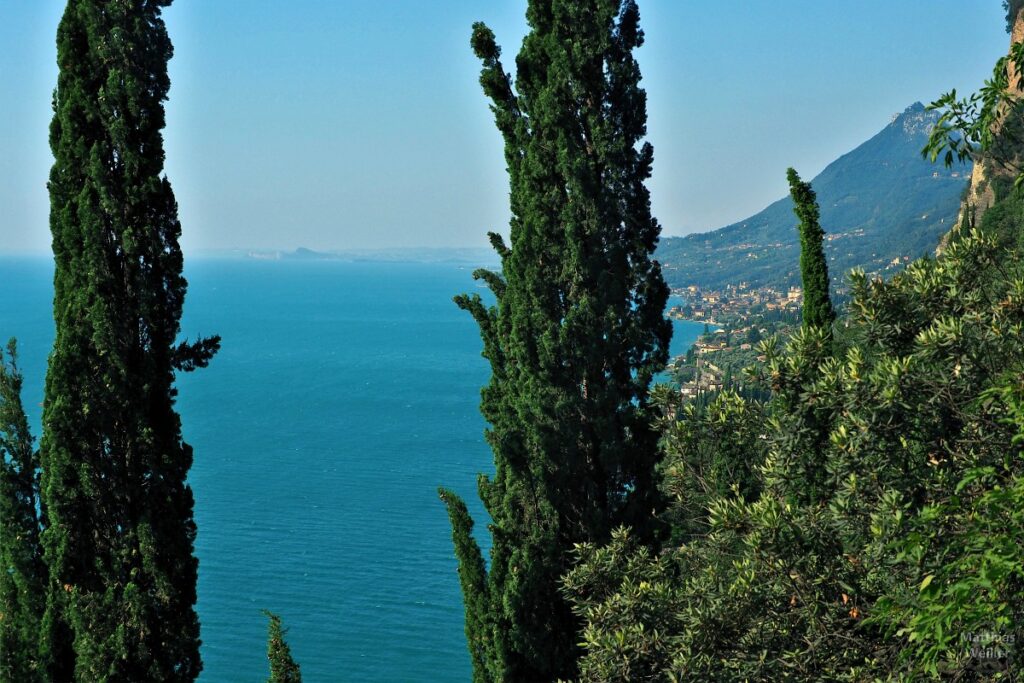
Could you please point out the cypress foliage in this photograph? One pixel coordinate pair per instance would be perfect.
(818, 311)
(119, 542)
(473, 579)
(22, 573)
(575, 337)
(283, 669)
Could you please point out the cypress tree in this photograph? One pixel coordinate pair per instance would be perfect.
(119, 542)
(575, 337)
(283, 669)
(818, 311)
(473, 580)
(22, 573)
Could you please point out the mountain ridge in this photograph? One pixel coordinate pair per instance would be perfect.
(882, 204)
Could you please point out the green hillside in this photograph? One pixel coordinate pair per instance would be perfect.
(880, 202)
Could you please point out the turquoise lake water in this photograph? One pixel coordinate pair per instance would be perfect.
(344, 394)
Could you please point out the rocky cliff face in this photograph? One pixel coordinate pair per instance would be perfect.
(980, 194)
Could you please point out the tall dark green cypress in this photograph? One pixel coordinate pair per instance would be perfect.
(22, 573)
(119, 541)
(575, 337)
(283, 668)
(818, 311)
(473, 581)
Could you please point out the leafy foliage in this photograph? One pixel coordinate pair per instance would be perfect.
(711, 452)
(883, 467)
(885, 542)
(988, 123)
(968, 549)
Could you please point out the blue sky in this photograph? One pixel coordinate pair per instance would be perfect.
(334, 124)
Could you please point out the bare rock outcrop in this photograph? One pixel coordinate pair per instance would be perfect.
(980, 194)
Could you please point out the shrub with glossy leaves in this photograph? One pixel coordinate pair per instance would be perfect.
(884, 466)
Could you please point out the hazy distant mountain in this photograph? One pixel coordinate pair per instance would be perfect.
(304, 254)
(880, 202)
(460, 255)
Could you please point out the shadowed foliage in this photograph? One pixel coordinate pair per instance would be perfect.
(22, 573)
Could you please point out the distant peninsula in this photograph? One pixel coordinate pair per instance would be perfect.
(300, 254)
(464, 255)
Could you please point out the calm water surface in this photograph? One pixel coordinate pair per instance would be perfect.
(344, 394)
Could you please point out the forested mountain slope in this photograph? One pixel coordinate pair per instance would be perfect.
(880, 202)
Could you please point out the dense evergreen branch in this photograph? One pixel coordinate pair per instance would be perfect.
(22, 572)
(575, 337)
(188, 357)
(818, 310)
(473, 580)
(283, 668)
(119, 544)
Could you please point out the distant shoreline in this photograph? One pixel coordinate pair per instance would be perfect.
(711, 323)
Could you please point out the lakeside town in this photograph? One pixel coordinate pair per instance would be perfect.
(736, 320)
